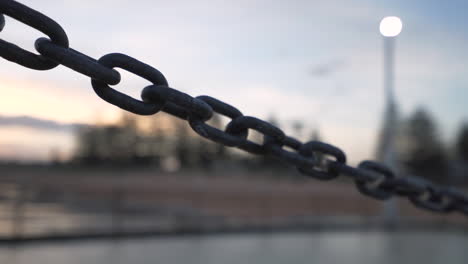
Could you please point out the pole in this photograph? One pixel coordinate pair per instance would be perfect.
(387, 149)
(389, 71)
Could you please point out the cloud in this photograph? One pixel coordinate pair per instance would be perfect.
(327, 68)
(37, 123)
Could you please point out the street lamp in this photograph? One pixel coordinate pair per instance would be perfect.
(390, 27)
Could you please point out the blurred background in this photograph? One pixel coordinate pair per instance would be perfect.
(74, 168)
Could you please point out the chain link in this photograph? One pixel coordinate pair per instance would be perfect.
(276, 150)
(322, 169)
(183, 101)
(37, 21)
(2, 22)
(122, 100)
(77, 61)
(242, 124)
(315, 159)
(213, 133)
(374, 187)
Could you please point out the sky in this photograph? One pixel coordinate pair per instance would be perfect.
(316, 62)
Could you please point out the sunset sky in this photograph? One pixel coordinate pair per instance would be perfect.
(318, 62)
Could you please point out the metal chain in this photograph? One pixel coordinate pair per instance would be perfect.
(372, 179)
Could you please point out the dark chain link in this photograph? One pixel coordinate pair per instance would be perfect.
(2, 22)
(372, 179)
(35, 20)
(374, 188)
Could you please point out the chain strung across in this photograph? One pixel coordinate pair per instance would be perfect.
(372, 179)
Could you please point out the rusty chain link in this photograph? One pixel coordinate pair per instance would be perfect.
(372, 179)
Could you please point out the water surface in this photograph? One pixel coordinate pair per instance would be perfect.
(291, 248)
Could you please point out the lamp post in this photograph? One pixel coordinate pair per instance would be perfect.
(390, 27)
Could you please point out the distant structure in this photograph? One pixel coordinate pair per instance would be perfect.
(390, 27)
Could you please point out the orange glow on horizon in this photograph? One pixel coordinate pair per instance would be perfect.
(48, 101)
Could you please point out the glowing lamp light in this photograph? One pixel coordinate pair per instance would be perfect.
(391, 26)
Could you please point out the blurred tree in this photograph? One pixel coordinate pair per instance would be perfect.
(298, 128)
(423, 152)
(157, 144)
(87, 150)
(460, 161)
(114, 144)
(206, 153)
(147, 142)
(126, 140)
(461, 146)
(183, 145)
(315, 135)
(55, 156)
